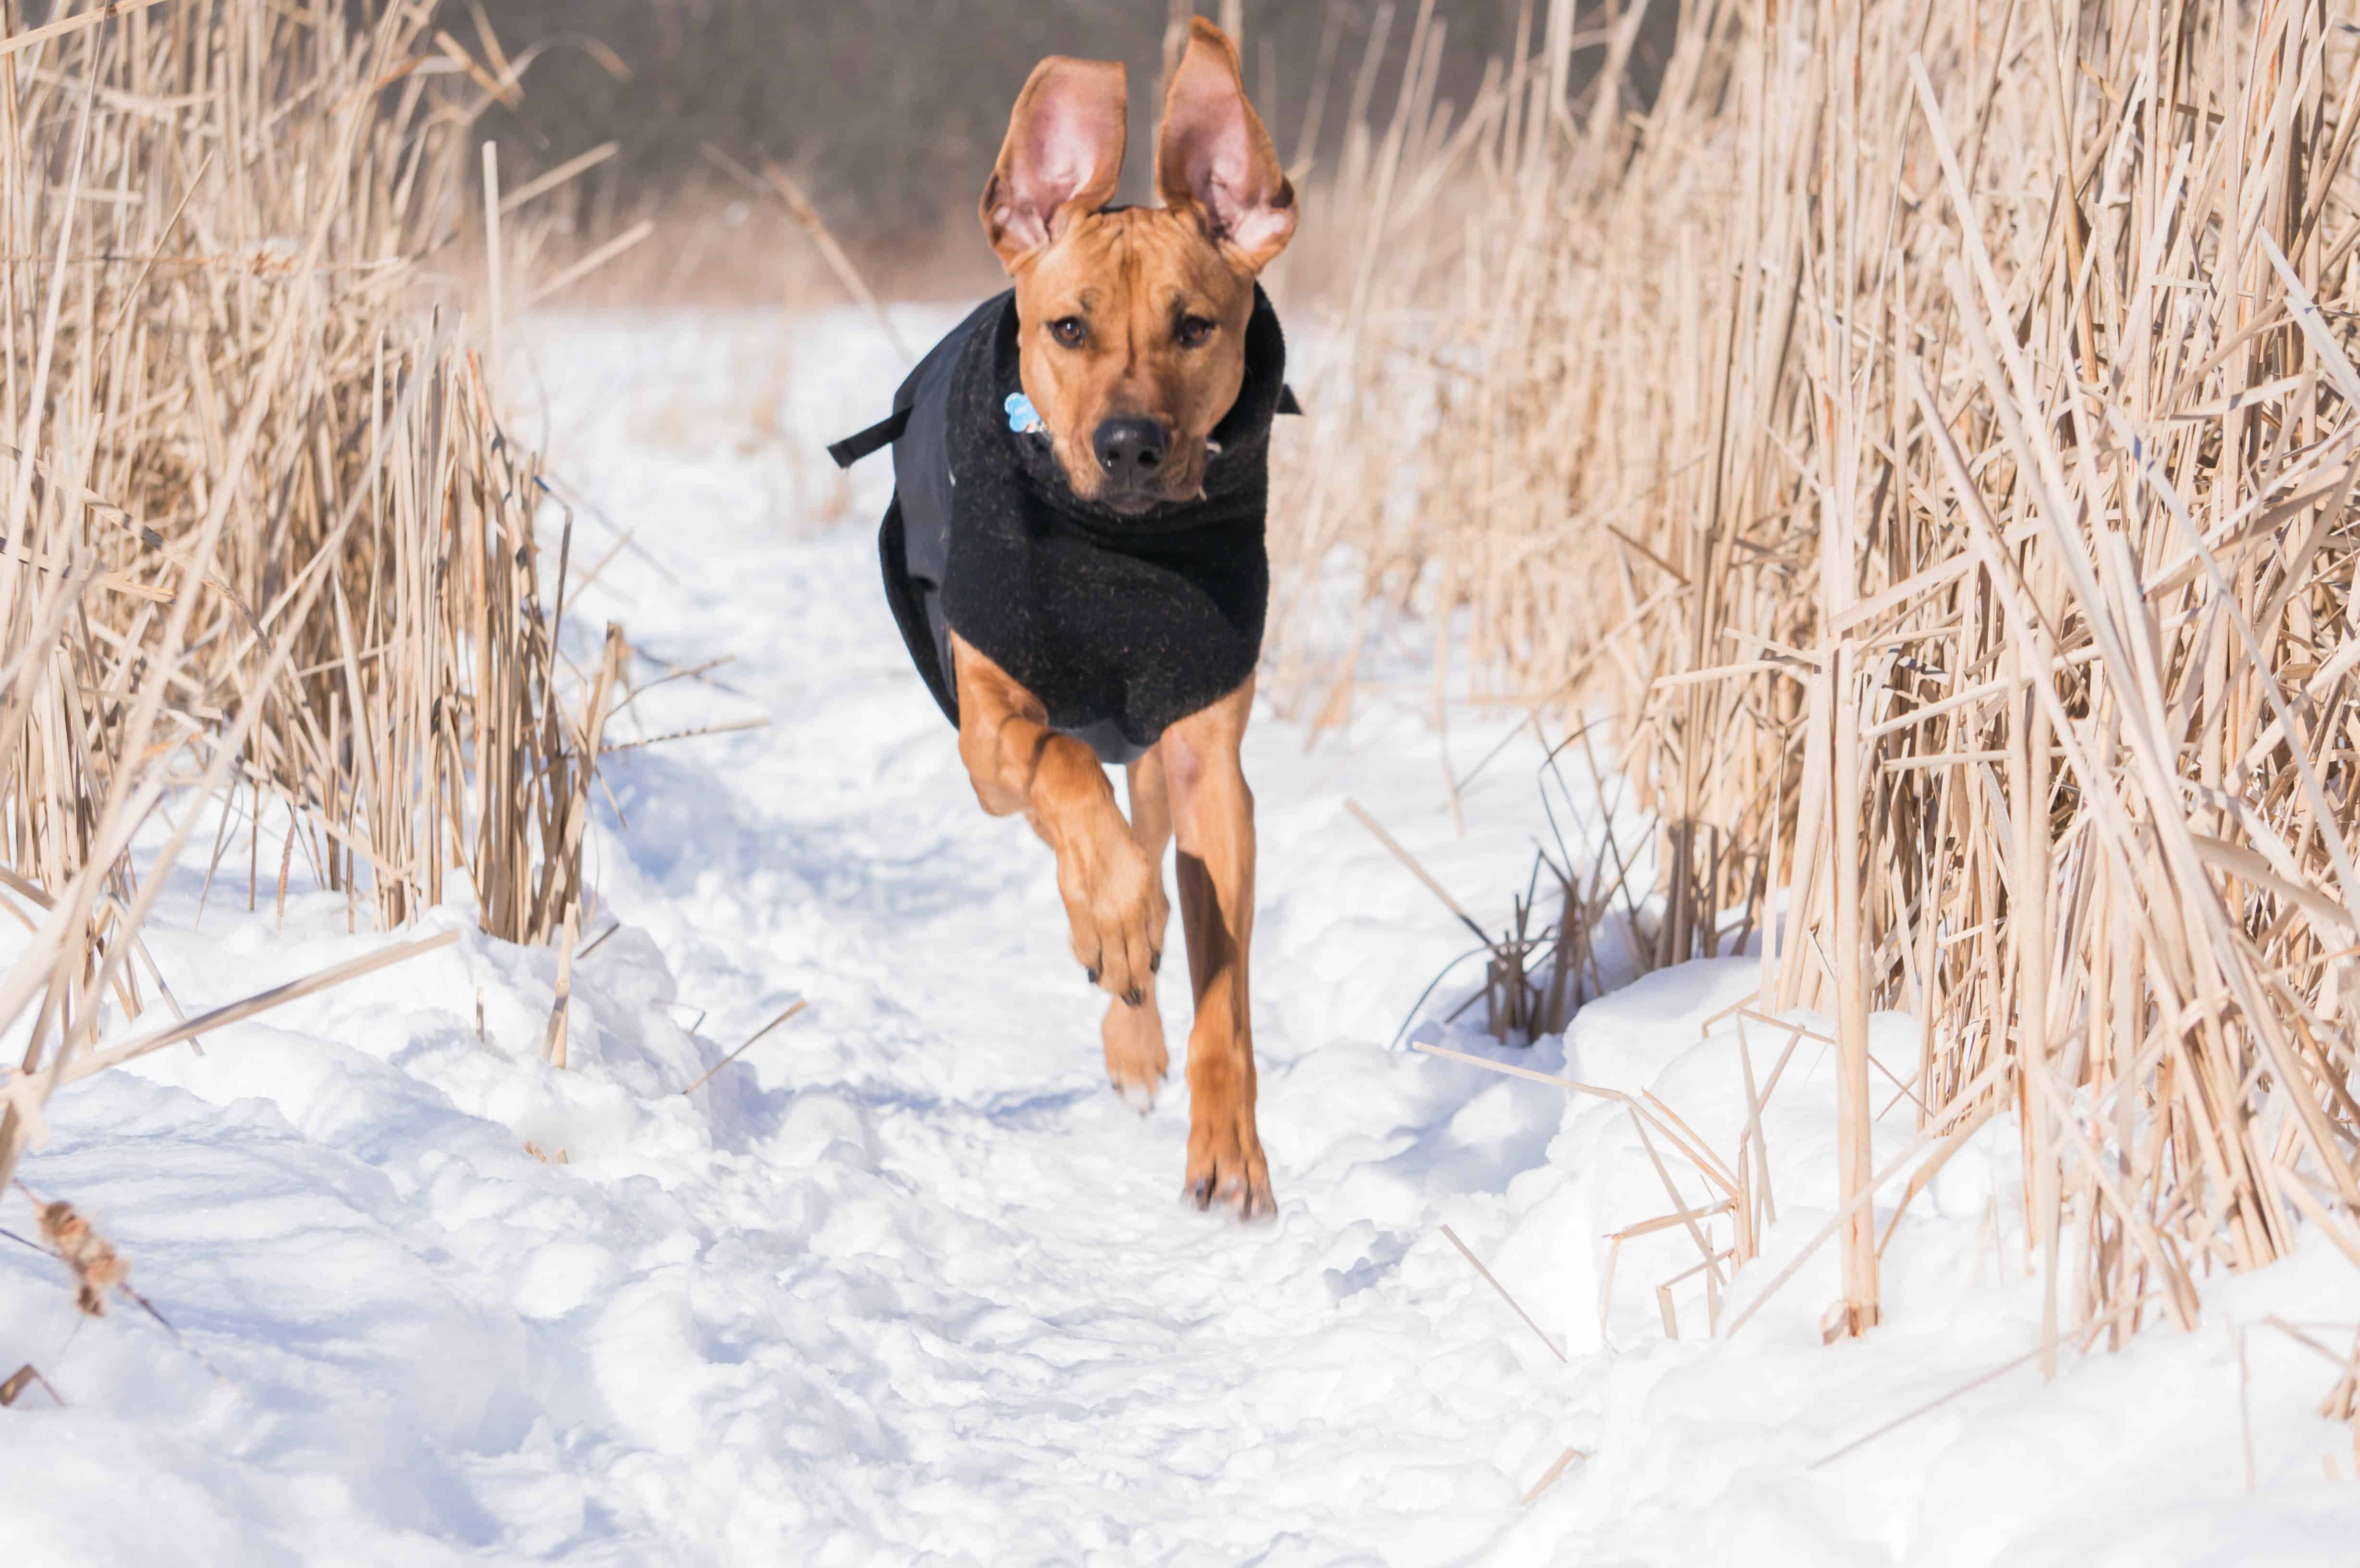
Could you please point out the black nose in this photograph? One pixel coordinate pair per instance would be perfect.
(1130, 451)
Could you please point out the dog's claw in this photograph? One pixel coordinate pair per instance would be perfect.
(1226, 1166)
(1155, 963)
(1133, 997)
(1093, 975)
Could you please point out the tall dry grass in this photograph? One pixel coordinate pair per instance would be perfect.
(269, 549)
(1926, 434)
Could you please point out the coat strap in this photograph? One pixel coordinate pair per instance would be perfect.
(859, 444)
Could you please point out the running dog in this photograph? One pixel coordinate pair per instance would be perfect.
(1075, 551)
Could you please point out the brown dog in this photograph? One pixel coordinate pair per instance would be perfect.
(1132, 329)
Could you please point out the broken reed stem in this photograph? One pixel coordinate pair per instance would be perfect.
(1926, 441)
(1614, 1095)
(18, 42)
(796, 1007)
(2087, 1334)
(799, 207)
(260, 1002)
(1393, 845)
(552, 1044)
(12, 1386)
(1549, 1475)
(1693, 1220)
(1468, 1253)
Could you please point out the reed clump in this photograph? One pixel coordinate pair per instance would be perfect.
(269, 552)
(1926, 436)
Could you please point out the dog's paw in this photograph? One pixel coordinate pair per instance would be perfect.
(1113, 903)
(1135, 1058)
(1225, 1167)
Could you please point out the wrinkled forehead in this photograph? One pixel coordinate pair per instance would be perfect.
(1135, 257)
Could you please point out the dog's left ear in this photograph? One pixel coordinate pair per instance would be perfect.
(1213, 158)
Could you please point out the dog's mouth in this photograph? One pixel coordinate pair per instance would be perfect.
(1132, 503)
(1135, 501)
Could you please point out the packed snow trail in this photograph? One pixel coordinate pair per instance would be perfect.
(907, 1282)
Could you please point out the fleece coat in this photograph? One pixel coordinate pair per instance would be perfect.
(1120, 625)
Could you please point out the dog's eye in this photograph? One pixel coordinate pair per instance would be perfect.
(1194, 329)
(1069, 331)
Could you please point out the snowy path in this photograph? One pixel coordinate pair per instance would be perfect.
(909, 1283)
(1054, 1357)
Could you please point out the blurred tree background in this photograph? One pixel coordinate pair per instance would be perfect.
(889, 113)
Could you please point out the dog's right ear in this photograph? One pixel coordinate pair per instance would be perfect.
(1062, 157)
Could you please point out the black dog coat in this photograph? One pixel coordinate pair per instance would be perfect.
(1120, 625)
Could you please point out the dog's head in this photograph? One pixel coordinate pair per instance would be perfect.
(1133, 321)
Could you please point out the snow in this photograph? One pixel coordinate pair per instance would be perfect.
(907, 1282)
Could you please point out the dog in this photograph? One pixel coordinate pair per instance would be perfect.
(1074, 552)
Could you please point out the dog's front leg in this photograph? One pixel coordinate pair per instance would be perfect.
(1133, 1036)
(1018, 764)
(1212, 813)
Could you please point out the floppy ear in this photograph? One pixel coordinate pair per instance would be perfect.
(1063, 151)
(1213, 158)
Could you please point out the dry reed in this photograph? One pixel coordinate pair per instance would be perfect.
(1928, 436)
(270, 551)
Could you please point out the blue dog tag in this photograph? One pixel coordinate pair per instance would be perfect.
(1022, 417)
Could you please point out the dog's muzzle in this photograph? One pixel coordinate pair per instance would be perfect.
(1132, 455)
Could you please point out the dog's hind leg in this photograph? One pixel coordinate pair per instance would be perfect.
(1135, 1058)
(1212, 813)
(1018, 764)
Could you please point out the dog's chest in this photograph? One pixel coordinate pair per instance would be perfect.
(1100, 634)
